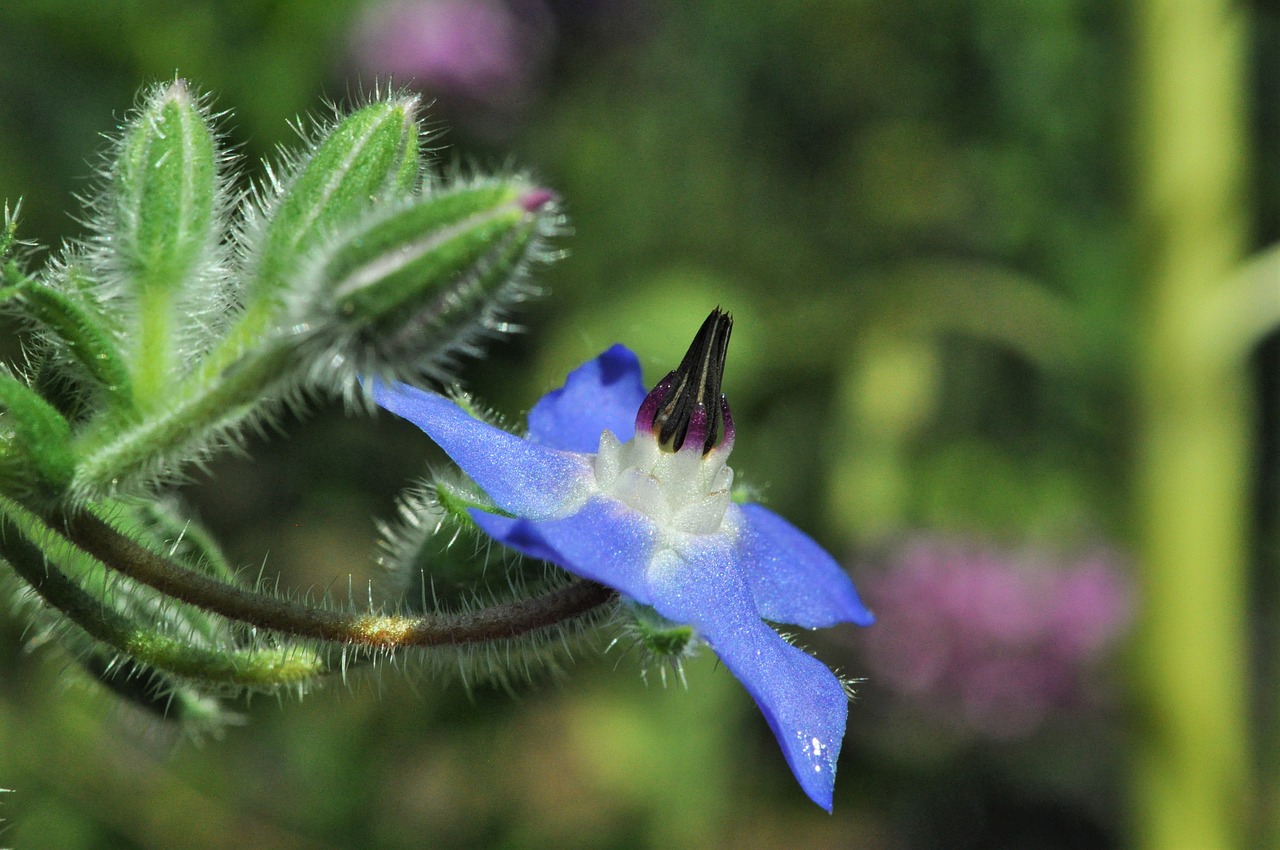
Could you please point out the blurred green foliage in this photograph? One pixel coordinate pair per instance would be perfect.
(851, 179)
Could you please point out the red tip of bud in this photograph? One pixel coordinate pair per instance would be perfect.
(537, 199)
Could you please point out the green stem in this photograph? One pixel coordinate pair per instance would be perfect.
(1251, 305)
(983, 301)
(26, 543)
(375, 631)
(1191, 766)
(153, 355)
(217, 401)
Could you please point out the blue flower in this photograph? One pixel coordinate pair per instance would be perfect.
(633, 491)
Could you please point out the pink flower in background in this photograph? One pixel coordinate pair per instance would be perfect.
(996, 641)
(485, 54)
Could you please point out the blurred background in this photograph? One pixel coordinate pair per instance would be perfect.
(922, 215)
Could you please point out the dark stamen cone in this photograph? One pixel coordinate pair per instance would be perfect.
(687, 406)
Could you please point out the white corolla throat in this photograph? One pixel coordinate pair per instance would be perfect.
(683, 491)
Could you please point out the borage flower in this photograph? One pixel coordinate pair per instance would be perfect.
(633, 491)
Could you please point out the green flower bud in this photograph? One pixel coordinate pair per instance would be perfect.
(370, 157)
(165, 189)
(167, 697)
(410, 285)
(163, 234)
(8, 234)
(367, 160)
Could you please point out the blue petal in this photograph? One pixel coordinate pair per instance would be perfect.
(701, 583)
(601, 394)
(803, 702)
(521, 477)
(605, 541)
(792, 578)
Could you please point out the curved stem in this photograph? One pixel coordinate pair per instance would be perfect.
(249, 667)
(988, 302)
(376, 631)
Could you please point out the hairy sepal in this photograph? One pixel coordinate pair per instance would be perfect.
(367, 159)
(414, 286)
(660, 643)
(438, 561)
(72, 334)
(87, 605)
(36, 459)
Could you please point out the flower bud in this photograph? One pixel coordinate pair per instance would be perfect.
(166, 188)
(160, 237)
(371, 156)
(412, 282)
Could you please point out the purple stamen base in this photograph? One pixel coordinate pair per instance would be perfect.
(647, 415)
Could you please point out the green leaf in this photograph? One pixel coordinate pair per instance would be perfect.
(169, 530)
(80, 334)
(37, 457)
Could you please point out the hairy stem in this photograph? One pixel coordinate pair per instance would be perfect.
(19, 532)
(376, 631)
(218, 401)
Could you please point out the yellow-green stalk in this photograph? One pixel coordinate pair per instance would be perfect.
(1191, 774)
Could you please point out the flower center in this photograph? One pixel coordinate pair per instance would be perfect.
(684, 491)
